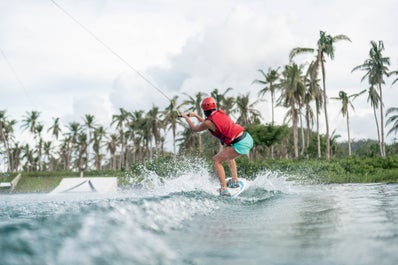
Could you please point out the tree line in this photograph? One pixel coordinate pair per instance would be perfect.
(136, 136)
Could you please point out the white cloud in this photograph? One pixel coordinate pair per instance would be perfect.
(182, 46)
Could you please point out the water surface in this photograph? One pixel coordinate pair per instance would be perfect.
(183, 221)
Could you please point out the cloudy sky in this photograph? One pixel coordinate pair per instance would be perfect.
(49, 63)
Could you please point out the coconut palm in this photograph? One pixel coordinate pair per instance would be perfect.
(73, 142)
(376, 68)
(27, 154)
(246, 110)
(229, 105)
(121, 121)
(269, 83)
(133, 132)
(374, 99)
(39, 129)
(155, 125)
(98, 135)
(82, 150)
(346, 102)
(111, 146)
(66, 151)
(292, 93)
(220, 98)
(170, 120)
(146, 134)
(30, 121)
(314, 92)
(325, 48)
(55, 128)
(16, 156)
(89, 123)
(47, 148)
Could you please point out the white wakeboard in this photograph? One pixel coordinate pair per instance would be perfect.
(236, 191)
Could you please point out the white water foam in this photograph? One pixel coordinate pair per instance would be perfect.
(271, 181)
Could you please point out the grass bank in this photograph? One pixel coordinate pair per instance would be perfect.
(348, 170)
(44, 182)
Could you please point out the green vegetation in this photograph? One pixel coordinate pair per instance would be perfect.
(347, 170)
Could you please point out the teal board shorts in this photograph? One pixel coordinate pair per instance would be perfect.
(243, 146)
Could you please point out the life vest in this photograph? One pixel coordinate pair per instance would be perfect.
(226, 128)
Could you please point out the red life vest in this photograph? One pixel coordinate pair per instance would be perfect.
(226, 128)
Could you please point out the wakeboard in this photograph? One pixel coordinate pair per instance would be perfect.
(236, 191)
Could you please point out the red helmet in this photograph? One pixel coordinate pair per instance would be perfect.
(208, 104)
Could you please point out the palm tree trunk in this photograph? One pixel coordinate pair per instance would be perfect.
(317, 134)
(302, 136)
(273, 118)
(348, 132)
(295, 134)
(378, 129)
(326, 112)
(174, 145)
(383, 148)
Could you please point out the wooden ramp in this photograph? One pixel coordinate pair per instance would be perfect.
(73, 185)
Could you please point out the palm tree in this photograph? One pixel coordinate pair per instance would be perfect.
(376, 68)
(27, 153)
(220, 98)
(82, 147)
(133, 132)
(55, 128)
(89, 123)
(345, 103)
(120, 121)
(146, 134)
(170, 118)
(324, 48)
(393, 119)
(374, 99)
(30, 121)
(16, 156)
(39, 129)
(292, 93)
(99, 134)
(229, 105)
(73, 142)
(153, 120)
(270, 85)
(112, 147)
(248, 114)
(66, 151)
(47, 146)
(314, 92)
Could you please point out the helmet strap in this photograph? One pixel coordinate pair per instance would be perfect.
(209, 112)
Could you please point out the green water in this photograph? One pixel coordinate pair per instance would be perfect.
(183, 221)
